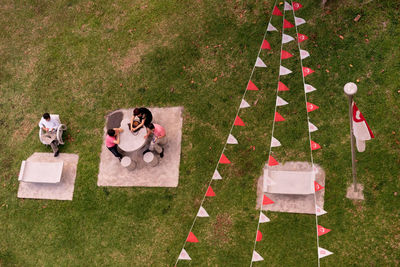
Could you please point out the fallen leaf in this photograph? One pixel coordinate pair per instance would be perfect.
(351, 66)
(215, 79)
(356, 19)
(327, 70)
(341, 37)
(358, 80)
(172, 89)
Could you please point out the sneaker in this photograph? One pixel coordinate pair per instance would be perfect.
(147, 150)
(56, 154)
(162, 153)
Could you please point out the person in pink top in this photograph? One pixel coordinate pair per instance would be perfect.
(159, 138)
(112, 141)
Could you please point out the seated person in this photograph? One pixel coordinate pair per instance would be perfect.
(145, 118)
(49, 135)
(159, 138)
(112, 141)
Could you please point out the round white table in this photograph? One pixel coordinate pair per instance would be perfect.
(130, 142)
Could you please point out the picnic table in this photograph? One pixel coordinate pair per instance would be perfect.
(130, 142)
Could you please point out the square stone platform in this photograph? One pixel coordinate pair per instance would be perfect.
(290, 201)
(63, 190)
(165, 174)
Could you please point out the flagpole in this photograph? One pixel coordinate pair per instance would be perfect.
(350, 89)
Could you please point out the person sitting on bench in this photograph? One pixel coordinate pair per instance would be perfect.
(49, 135)
(145, 118)
(159, 138)
(112, 141)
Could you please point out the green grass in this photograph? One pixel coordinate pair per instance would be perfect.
(71, 57)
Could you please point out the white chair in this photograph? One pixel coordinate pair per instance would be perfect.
(61, 128)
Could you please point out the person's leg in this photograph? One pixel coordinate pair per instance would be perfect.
(54, 147)
(114, 150)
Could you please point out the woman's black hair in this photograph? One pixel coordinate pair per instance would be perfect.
(111, 132)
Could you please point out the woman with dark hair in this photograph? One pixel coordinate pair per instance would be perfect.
(112, 141)
(145, 118)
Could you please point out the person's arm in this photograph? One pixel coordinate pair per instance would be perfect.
(148, 133)
(140, 125)
(117, 132)
(41, 125)
(132, 119)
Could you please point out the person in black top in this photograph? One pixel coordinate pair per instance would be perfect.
(145, 118)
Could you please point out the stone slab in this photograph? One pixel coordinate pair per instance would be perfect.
(293, 203)
(351, 194)
(40, 172)
(165, 174)
(64, 190)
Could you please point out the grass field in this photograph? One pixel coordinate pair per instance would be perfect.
(83, 59)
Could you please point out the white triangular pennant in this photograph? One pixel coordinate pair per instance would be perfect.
(323, 252)
(312, 127)
(260, 63)
(184, 255)
(304, 54)
(275, 142)
(284, 71)
(319, 211)
(216, 175)
(298, 21)
(280, 101)
(263, 218)
(286, 38)
(287, 6)
(271, 28)
(202, 212)
(256, 257)
(309, 88)
(232, 140)
(244, 104)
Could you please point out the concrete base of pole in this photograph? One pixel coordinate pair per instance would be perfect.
(351, 194)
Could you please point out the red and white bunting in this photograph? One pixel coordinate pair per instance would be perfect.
(323, 252)
(312, 127)
(304, 54)
(307, 71)
(319, 211)
(275, 142)
(260, 63)
(184, 255)
(322, 230)
(285, 54)
(362, 131)
(259, 236)
(251, 86)
(224, 160)
(302, 37)
(284, 71)
(277, 12)
(210, 192)
(271, 28)
(287, 6)
(192, 238)
(282, 87)
(296, 6)
(238, 122)
(202, 212)
(265, 45)
(311, 107)
(244, 104)
(280, 102)
(232, 140)
(216, 175)
(263, 218)
(286, 38)
(314, 145)
(267, 200)
(299, 21)
(256, 257)
(309, 88)
(272, 161)
(287, 24)
(317, 186)
(278, 117)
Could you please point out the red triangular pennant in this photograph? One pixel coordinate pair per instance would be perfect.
(322, 230)
(259, 236)
(296, 6)
(192, 238)
(314, 146)
(238, 122)
(265, 45)
(267, 201)
(287, 24)
(277, 12)
(285, 54)
(311, 107)
(272, 161)
(210, 192)
(282, 87)
(278, 117)
(301, 37)
(224, 160)
(251, 86)
(307, 71)
(317, 186)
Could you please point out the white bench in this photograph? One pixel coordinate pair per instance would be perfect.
(289, 182)
(40, 172)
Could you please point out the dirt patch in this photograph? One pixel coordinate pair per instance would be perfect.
(222, 227)
(132, 57)
(23, 129)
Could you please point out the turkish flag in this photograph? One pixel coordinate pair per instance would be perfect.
(192, 238)
(361, 129)
(285, 54)
(265, 45)
(277, 12)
